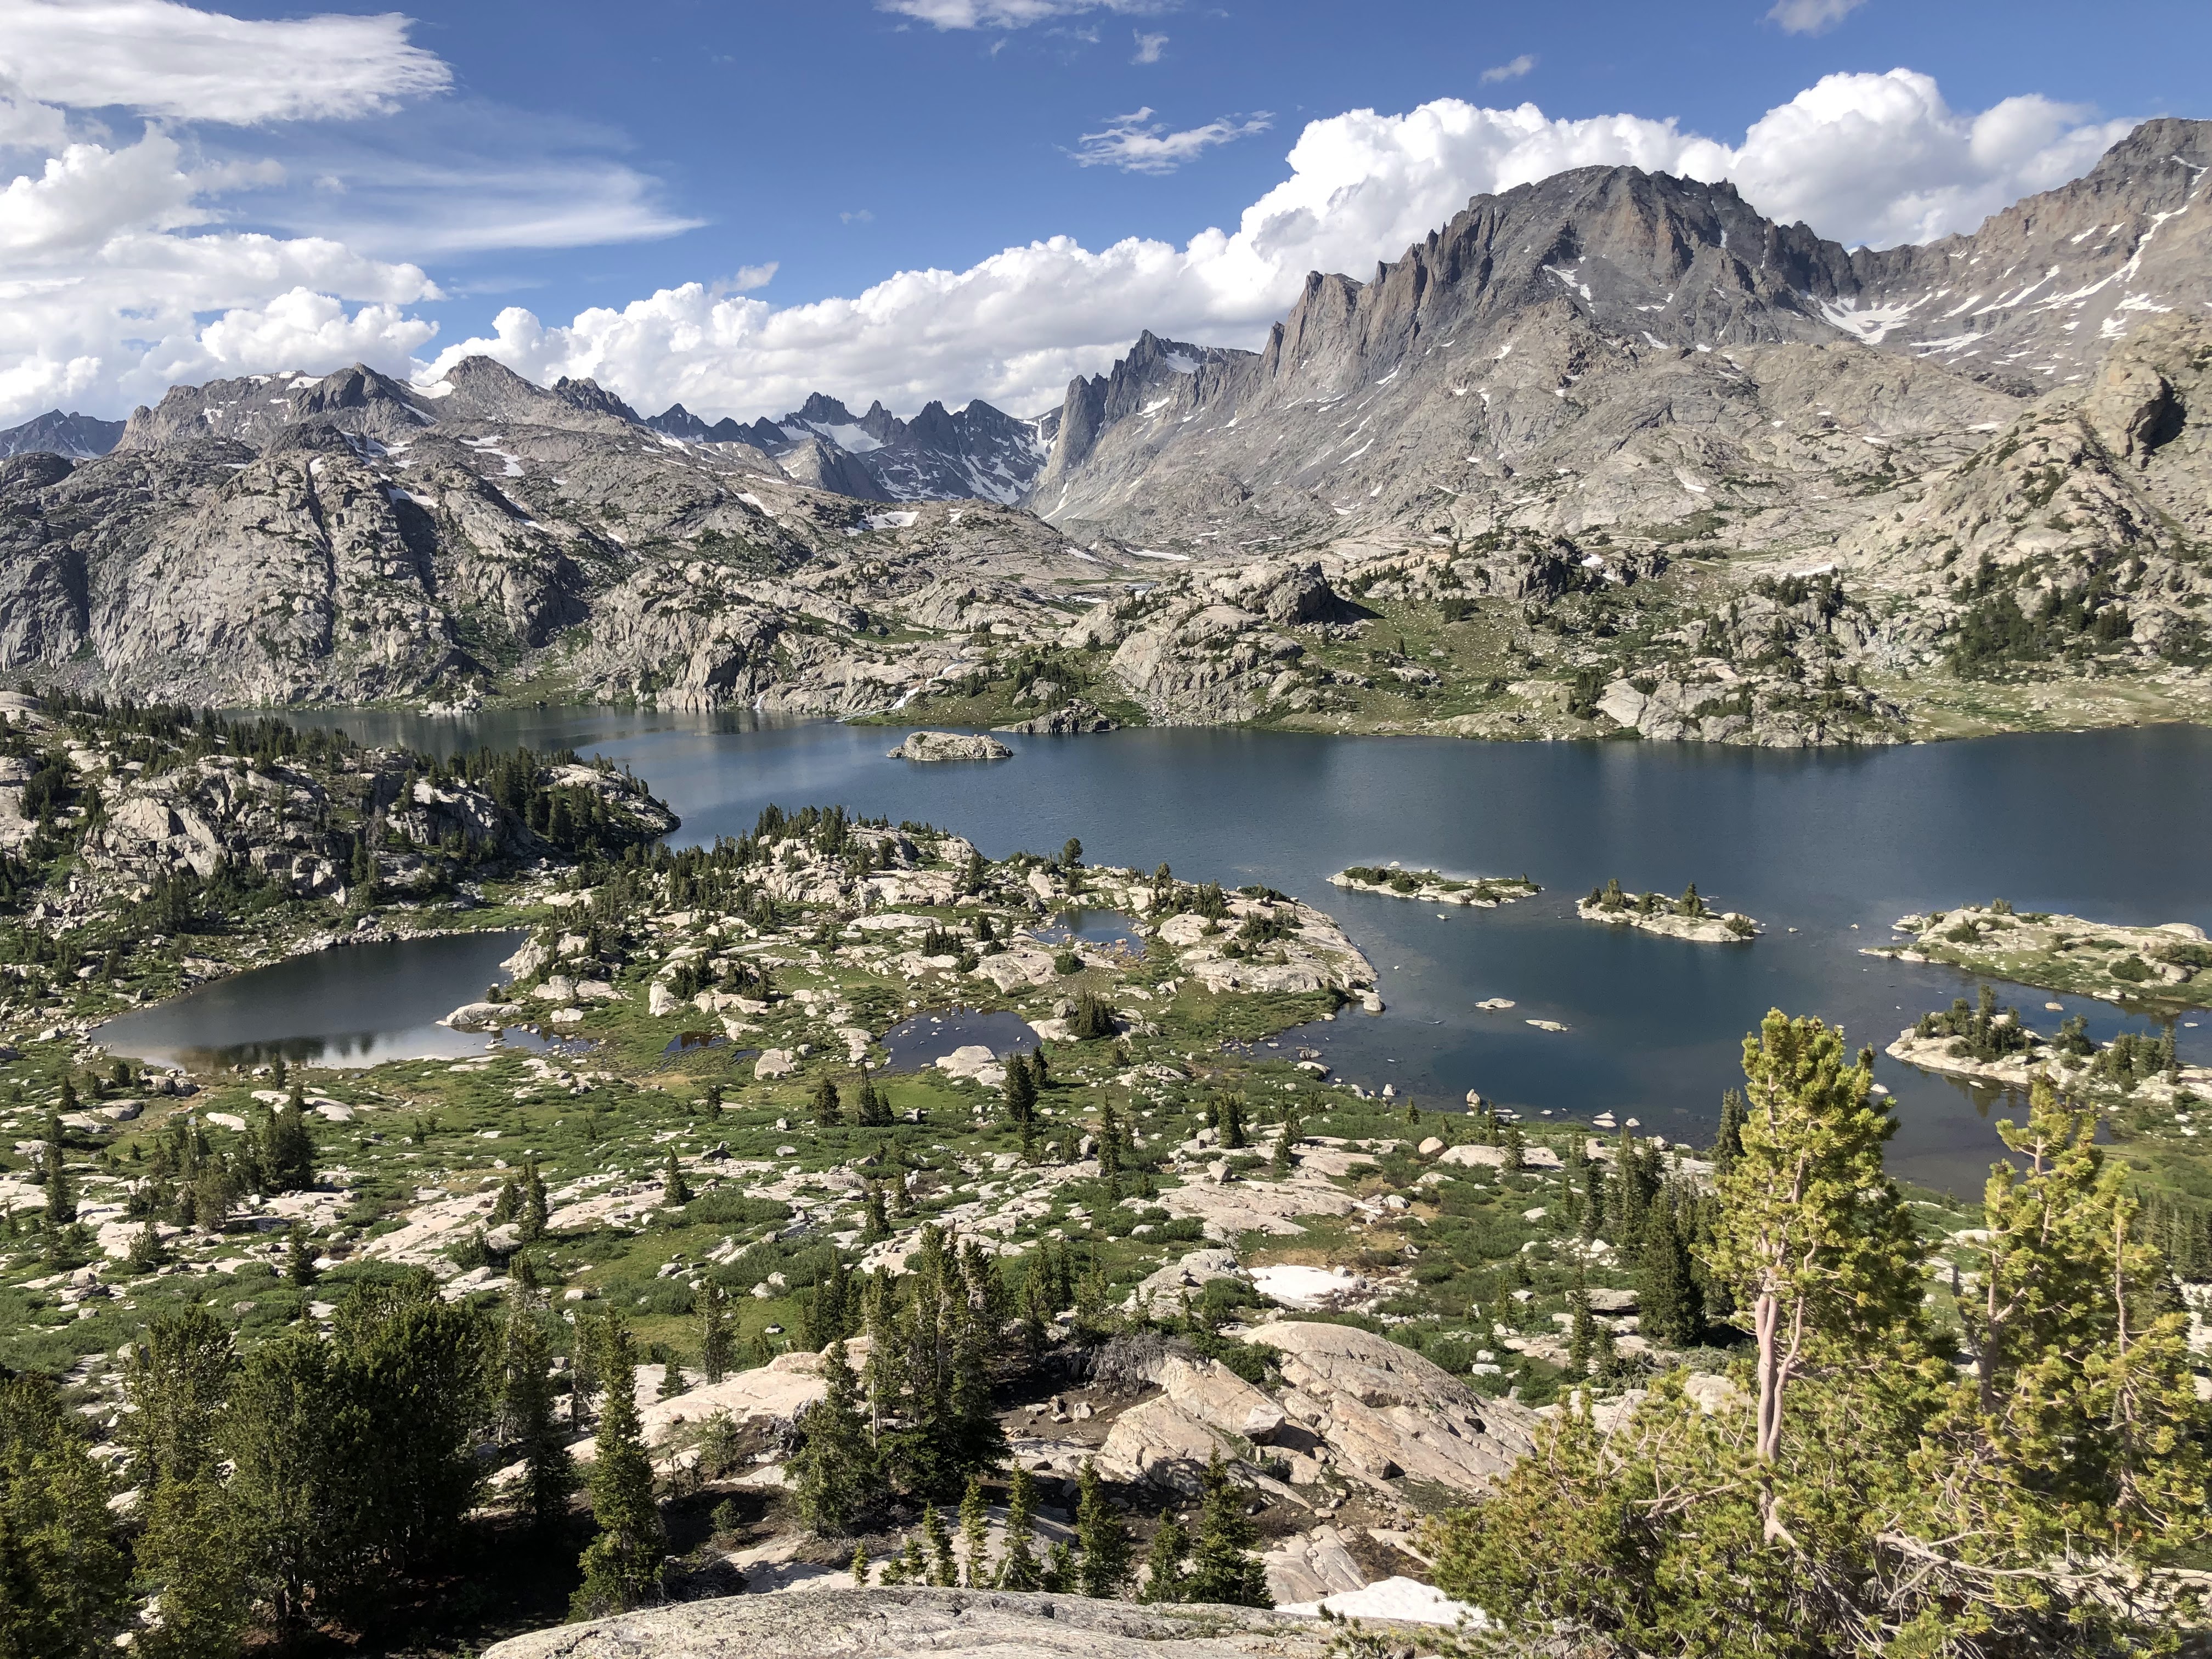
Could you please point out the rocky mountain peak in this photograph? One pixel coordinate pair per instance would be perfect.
(77, 437)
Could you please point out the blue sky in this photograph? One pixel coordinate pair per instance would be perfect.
(492, 171)
(773, 123)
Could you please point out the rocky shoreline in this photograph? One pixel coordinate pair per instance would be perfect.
(2164, 963)
(1428, 887)
(1686, 918)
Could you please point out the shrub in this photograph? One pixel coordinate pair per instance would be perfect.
(1067, 962)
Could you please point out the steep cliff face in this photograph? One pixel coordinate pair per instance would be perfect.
(1640, 333)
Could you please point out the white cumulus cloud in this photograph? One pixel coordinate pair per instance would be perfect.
(1149, 47)
(162, 58)
(1137, 143)
(1512, 70)
(1877, 158)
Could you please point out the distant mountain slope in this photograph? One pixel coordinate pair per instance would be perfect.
(1600, 325)
(77, 436)
(979, 453)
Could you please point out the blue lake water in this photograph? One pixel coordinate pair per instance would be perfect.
(921, 1042)
(359, 1005)
(2113, 826)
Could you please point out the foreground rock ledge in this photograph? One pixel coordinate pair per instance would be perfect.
(892, 1623)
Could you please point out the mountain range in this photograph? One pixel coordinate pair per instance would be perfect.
(1607, 452)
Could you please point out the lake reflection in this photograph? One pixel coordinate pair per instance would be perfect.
(356, 1004)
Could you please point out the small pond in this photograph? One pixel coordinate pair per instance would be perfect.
(924, 1040)
(1102, 928)
(355, 1005)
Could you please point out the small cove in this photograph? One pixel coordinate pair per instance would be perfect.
(1834, 845)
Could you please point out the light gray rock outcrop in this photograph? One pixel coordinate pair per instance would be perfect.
(951, 746)
(911, 1622)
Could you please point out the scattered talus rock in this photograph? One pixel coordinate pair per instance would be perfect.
(1072, 719)
(909, 1621)
(951, 746)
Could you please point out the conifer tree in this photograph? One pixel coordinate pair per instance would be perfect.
(528, 1421)
(875, 1225)
(716, 1340)
(531, 1224)
(299, 1258)
(1165, 1579)
(1059, 1574)
(832, 1470)
(1021, 1089)
(61, 1198)
(622, 1565)
(1727, 1141)
(675, 1190)
(942, 1571)
(290, 1159)
(1814, 1234)
(860, 1564)
(63, 1573)
(1233, 1137)
(1223, 1567)
(1666, 1293)
(975, 1536)
(828, 1108)
(1109, 1151)
(1101, 1536)
(1017, 1563)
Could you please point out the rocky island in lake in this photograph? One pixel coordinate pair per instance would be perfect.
(951, 746)
(1687, 917)
(1430, 888)
(2061, 953)
(1989, 1045)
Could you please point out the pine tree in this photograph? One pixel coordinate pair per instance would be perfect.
(299, 1259)
(190, 1549)
(1665, 1291)
(61, 1198)
(1101, 1536)
(63, 1573)
(716, 1339)
(530, 1226)
(1060, 1571)
(1021, 1090)
(675, 1190)
(1164, 1579)
(1233, 1137)
(1109, 1151)
(832, 1470)
(942, 1571)
(622, 1565)
(875, 1225)
(1727, 1141)
(1813, 1234)
(975, 1536)
(860, 1564)
(290, 1159)
(829, 1109)
(1222, 1566)
(528, 1421)
(1017, 1566)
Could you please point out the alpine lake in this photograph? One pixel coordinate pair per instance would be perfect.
(1825, 848)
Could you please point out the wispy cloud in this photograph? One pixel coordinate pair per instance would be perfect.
(857, 216)
(1811, 16)
(1512, 71)
(1149, 47)
(1013, 13)
(1138, 143)
(746, 278)
(162, 58)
